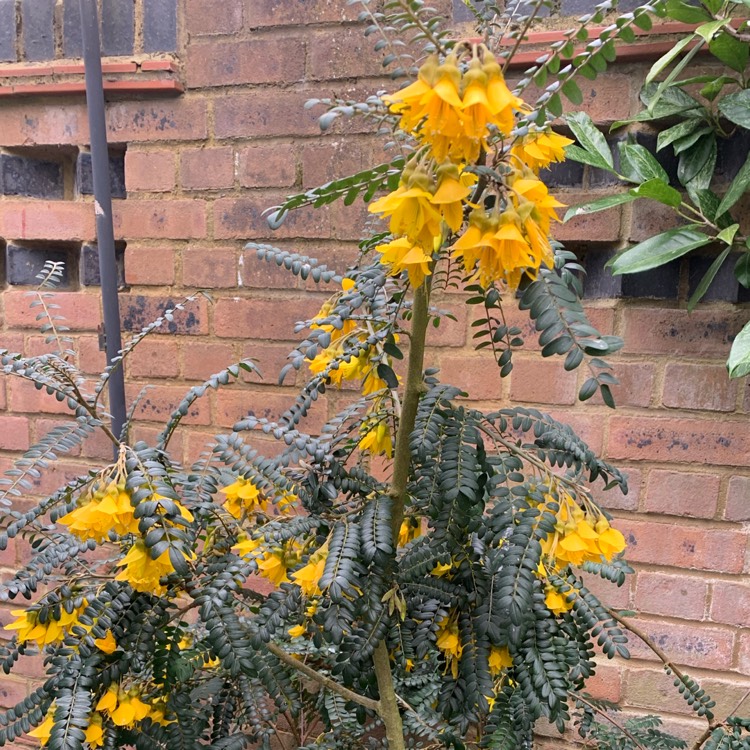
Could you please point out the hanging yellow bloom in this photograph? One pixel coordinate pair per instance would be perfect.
(297, 631)
(94, 732)
(106, 510)
(243, 498)
(499, 659)
(540, 148)
(308, 577)
(273, 567)
(556, 602)
(31, 628)
(246, 546)
(532, 190)
(107, 644)
(449, 642)
(123, 708)
(377, 439)
(410, 529)
(143, 572)
(44, 730)
(403, 255)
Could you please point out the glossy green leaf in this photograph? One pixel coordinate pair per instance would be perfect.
(576, 153)
(713, 88)
(707, 30)
(736, 107)
(602, 204)
(730, 51)
(658, 190)
(681, 11)
(687, 141)
(739, 356)
(713, 6)
(572, 92)
(665, 60)
(590, 138)
(737, 189)
(672, 101)
(697, 163)
(678, 131)
(727, 235)
(638, 164)
(708, 277)
(742, 270)
(658, 250)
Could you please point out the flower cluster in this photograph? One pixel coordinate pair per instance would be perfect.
(125, 707)
(107, 509)
(53, 629)
(93, 734)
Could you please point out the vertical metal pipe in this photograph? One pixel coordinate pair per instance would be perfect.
(103, 205)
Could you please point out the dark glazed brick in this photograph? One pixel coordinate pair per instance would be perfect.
(733, 153)
(8, 31)
(658, 283)
(724, 287)
(137, 311)
(599, 283)
(85, 178)
(37, 19)
(159, 25)
(72, 35)
(30, 177)
(24, 263)
(564, 174)
(602, 178)
(118, 27)
(89, 265)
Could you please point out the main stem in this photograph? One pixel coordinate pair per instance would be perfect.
(389, 710)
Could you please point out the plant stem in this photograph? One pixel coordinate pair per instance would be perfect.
(606, 716)
(389, 708)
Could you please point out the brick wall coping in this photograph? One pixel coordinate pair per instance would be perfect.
(128, 77)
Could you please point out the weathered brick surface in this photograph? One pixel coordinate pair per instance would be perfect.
(200, 170)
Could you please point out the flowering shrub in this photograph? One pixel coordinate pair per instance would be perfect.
(425, 557)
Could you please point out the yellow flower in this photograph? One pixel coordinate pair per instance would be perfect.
(410, 529)
(540, 148)
(556, 602)
(246, 546)
(123, 708)
(297, 631)
(377, 440)
(44, 730)
(106, 510)
(273, 567)
(499, 660)
(449, 642)
(308, 577)
(542, 206)
(243, 497)
(106, 644)
(441, 569)
(404, 255)
(143, 572)
(94, 732)
(31, 628)
(611, 541)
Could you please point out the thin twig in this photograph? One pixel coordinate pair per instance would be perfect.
(605, 715)
(322, 679)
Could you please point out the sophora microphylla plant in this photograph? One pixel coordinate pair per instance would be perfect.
(424, 558)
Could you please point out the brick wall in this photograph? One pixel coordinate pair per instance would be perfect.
(199, 170)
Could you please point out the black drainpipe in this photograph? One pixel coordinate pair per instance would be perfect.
(103, 206)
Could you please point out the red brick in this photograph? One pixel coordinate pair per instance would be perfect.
(614, 499)
(180, 120)
(271, 112)
(149, 266)
(97, 446)
(477, 375)
(80, 310)
(684, 546)
(137, 311)
(160, 219)
(3, 396)
(679, 493)
(324, 160)
(51, 479)
(267, 166)
(693, 645)
(598, 227)
(607, 592)
(730, 603)
(24, 397)
(744, 652)
(158, 402)
(650, 218)
(47, 220)
(149, 433)
(449, 332)
(262, 318)
(270, 360)
(234, 404)
(154, 357)
(636, 384)
(738, 499)
(704, 333)
(201, 361)
(207, 168)
(153, 171)
(243, 218)
(285, 13)
(12, 342)
(680, 440)
(542, 382)
(338, 53)
(605, 684)
(91, 359)
(253, 61)
(689, 386)
(12, 691)
(14, 433)
(589, 427)
(25, 123)
(205, 17)
(674, 596)
(209, 268)
(255, 273)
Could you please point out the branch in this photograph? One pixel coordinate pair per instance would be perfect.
(606, 716)
(322, 679)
